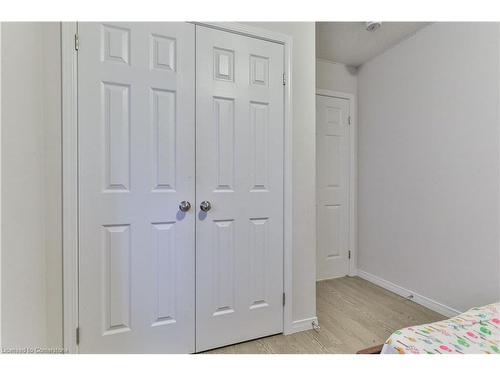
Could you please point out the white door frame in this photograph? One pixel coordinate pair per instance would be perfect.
(353, 174)
(70, 172)
(0, 183)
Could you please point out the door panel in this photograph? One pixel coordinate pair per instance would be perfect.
(239, 145)
(332, 140)
(136, 163)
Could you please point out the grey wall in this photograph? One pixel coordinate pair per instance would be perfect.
(336, 77)
(51, 61)
(31, 181)
(429, 164)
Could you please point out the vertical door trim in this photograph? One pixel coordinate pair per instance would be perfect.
(0, 184)
(70, 184)
(353, 174)
(70, 172)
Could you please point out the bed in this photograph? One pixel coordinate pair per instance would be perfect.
(475, 331)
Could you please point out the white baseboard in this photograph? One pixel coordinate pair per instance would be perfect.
(417, 298)
(351, 273)
(301, 325)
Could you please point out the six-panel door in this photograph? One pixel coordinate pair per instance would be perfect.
(239, 170)
(136, 120)
(136, 164)
(332, 142)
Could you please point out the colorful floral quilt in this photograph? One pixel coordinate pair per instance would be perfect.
(475, 331)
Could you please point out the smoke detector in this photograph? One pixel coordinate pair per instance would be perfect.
(373, 26)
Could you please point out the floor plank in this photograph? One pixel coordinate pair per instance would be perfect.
(353, 313)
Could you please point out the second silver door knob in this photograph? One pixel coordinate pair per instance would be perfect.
(205, 206)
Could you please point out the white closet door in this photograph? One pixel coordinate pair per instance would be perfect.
(239, 170)
(332, 142)
(136, 163)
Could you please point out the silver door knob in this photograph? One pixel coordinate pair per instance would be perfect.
(184, 206)
(205, 206)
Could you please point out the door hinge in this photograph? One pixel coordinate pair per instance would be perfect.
(349, 254)
(77, 335)
(349, 120)
(77, 42)
(283, 299)
(284, 79)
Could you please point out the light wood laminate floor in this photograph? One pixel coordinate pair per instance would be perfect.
(353, 314)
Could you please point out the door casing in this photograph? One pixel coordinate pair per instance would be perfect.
(353, 173)
(69, 45)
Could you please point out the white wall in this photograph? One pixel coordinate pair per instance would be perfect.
(336, 77)
(31, 249)
(429, 164)
(304, 164)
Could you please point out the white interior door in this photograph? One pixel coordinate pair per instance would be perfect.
(239, 145)
(136, 163)
(332, 142)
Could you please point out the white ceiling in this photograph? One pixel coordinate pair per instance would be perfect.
(349, 42)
